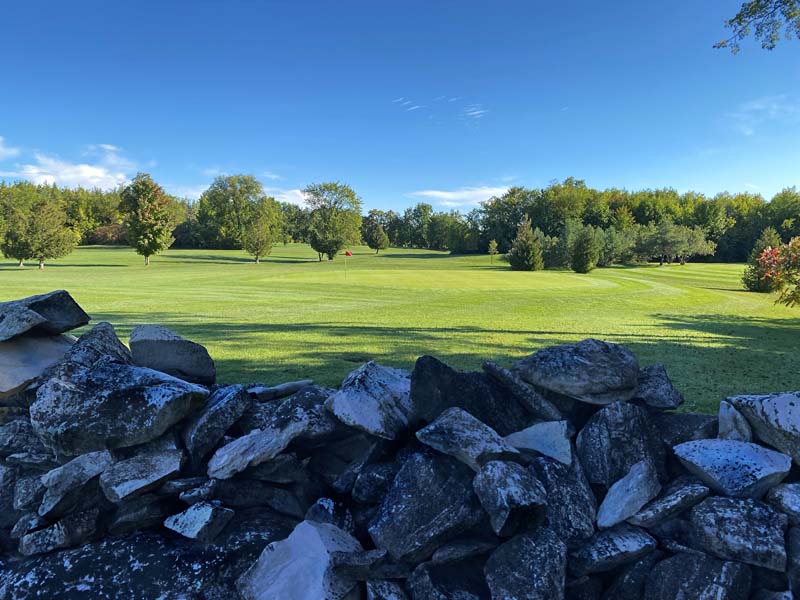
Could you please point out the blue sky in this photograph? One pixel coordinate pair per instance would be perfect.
(447, 102)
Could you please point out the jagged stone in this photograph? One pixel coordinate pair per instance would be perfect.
(737, 469)
(459, 434)
(8, 477)
(140, 474)
(243, 493)
(266, 393)
(174, 487)
(656, 389)
(786, 498)
(383, 589)
(536, 404)
(207, 490)
(609, 549)
(330, 511)
(680, 495)
(699, 577)
(462, 549)
(571, 505)
(284, 468)
(732, 424)
(614, 439)
(429, 502)
(141, 512)
(462, 580)
(510, 494)
(30, 462)
(529, 566)
(51, 313)
(64, 484)
(631, 581)
(29, 521)
(628, 495)
(549, 438)
(26, 358)
(375, 399)
(161, 349)
(373, 482)
(28, 491)
(205, 429)
(740, 529)
(71, 530)
(676, 428)
(436, 387)
(99, 343)
(18, 437)
(202, 521)
(299, 567)
(590, 371)
(774, 418)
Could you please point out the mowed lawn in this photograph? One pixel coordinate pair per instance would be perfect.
(293, 317)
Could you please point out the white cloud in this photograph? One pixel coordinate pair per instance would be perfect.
(7, 151)
(464, 196)
(400, 99)
(288, 196)
(271, 175)
(212, 172)
(474, 111)
(192, 192)
(752, 186)
(750, 116)
(110, 170)
(415, 107)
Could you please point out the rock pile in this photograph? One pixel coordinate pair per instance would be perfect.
(131, 474)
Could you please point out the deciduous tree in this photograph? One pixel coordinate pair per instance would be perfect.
(147, 216)
(335, 217)
(264, 228)
(755, 277)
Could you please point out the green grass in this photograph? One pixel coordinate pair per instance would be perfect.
(293, 317)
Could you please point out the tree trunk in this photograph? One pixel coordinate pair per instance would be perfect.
(319, 255)
(258, 260)
(146, 261)
(41, 264)
(21, 262)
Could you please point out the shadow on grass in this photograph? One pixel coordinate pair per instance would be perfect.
(55, 265)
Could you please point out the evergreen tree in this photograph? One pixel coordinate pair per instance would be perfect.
(526, 251)
(47, 234)
(586, 251)
(148, 220)
(755, 276)
(15, 243)
(263, 229)
(374, 235)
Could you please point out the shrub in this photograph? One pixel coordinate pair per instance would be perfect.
(526, 251)
(586, 251)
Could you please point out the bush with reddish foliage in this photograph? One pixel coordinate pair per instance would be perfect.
(782, 264)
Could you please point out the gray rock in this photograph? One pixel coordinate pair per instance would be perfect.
(64, 484)
(732, 424)
(614, 439)
(765, 594)
(463, 580)
(511, 495)
(774, 418)
(140, 474)
(28, 491)
(628, 495)
(18, 437)
(679, 496)
(141, 512)
(109, 405)
(28, 522)
(161, 349)
(384, 589)
(205, 429)
(737, 469)
(459, 434)
(299, 567)
(536, 404)
(284, 468)
(375, 399)
(99, 343)
(174, 487)
(26, 358)
(243, 493)
(676, 428)
(793, 559)
(71, 530)
(530, 566)
(8, 478)
(330, 511)
(373, 482)
(462, 549)
(609, 549)
(786, 498)
(549, 438)
(571, 505)
(698, 577)
(590, 371)
(51, 313)
(265, 393)
(631, 581)
(656, 389)
(206, 490)
(429, 502)
(740, 529)
(202, 521)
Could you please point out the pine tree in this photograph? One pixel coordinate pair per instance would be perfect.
(586, 252)
(526, 251)
(755, 278)
(148, 219)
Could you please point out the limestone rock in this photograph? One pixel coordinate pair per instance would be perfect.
(18, 437)
(656, 389)
(99, 343)
(590, 371)
(140, 474)
(699, 577)
(51, 313)
(202, 521)
(429, 502)
(373, 481)
(63, 484)
(459, 434)
(8, 477)
(511, 496)
(384, 589)
(740, 529)
(27, 357)
(462, 549)
(205, 429)
(786, 498)
(676, 428)
(28, 491)
(681, 495)
(330, 511)
(549, 438)
(774, 418)
(299, 567)
(529, 566)
(737, 469)
(160, 349)
(732, 424)
(611, 548)
(628, 495)
(266, 393)
(71, 530)
(375, 399)
(536, 404)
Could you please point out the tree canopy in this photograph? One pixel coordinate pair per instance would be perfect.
(767, 20)
(147, 216)
(263, 229)
(335, 217)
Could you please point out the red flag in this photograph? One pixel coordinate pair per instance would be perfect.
(348, 253)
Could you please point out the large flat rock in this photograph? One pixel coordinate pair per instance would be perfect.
(161, 349)
(25, 358)
(774, 418)
(52, 313)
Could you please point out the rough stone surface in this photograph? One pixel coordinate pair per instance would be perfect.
(529, 566)
(511, 496)
(732, 424)
(25, 358)
(63, 485)
(8, 477)
(681, 495)
(459, 434)
(774, 418)
(462, 549)
(375, 399)
(786, 498)
(539, 406)
(631, 581)
(628, 495)
(676, 428)
(609, 549)
(549, 438)
(737, 469)
(205, 429)
(71, 530)
(202, 521)
(383, 589)
(656, 389)
(158, 348)
(590, 371)
(140, 474)
(698, 577)
(744, 530)
(429, 502)
(299, 567)
(267, 393)
(51, 313)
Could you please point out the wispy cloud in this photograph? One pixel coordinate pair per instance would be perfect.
(7, 151)
(212, 171)
(752, 115)
(192, 192)
(463, 196)
(752, 186)
(415, 107)
(271, 175)
(454, 99)
(290, 196)
(474, 111)
(400, 99)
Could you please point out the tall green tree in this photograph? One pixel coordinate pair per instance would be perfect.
(147, 216)
(224, 209)
(264, 228)
(755, 277)
(526, 251)
(373, 234)
(586, 250)
(335, 217)
(768, 20)
(15, 243)
(47, 234)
